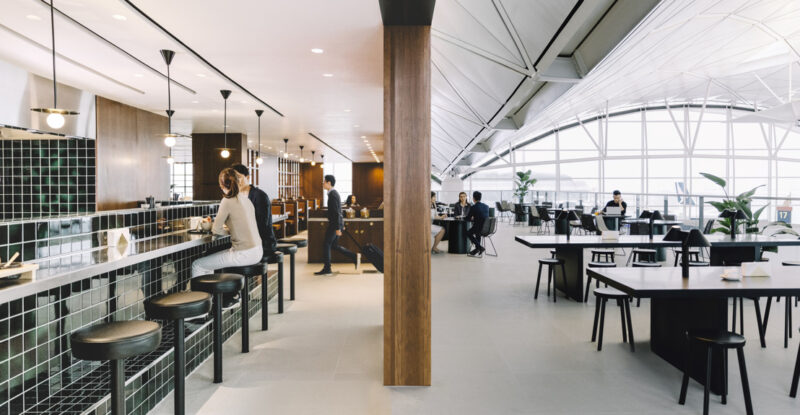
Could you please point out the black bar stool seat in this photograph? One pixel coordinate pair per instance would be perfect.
(795, 376)
(216, 285)
(642, 255)
(274, 258)
(724, 341)
(607, 254)
(638, 264)
(623, 301)
(552, 253)
(289, 249)
(176, 307)
(589, 277)
(115, 342)
(791, 263)
(694, 256)
(299, 242)
(699, 264)
(551, 263)
(248, 271)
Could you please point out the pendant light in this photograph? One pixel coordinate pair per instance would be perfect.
(55, 119)
(321, 160)
(259, 160)
(225, 153)
(169, 139)
(286, 148)
(302, 160)
(313, 162)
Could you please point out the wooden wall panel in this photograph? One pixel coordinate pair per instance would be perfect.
(207, 163)
(407, 225)
(130, 151)
(368, 183)
(311, 181)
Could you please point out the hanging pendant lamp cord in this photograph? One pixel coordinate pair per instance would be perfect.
(169, 104)
(53, 38)
(225, 124)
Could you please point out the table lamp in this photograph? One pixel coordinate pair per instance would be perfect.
(733, 215)
(656, 215)
(565, 217)
(692, 239)
(645, 214)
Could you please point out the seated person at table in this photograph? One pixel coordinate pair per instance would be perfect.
(437, 232)
(617, 202)
(462, 207)
(477, 214)
(351, 202)
(434, 204)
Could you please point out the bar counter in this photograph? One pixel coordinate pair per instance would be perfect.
(363, 230)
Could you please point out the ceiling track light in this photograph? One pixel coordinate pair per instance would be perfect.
(286, 148)
(169, 139)
(55, 117)
(225, 153)
(259, 160)
(313, 161)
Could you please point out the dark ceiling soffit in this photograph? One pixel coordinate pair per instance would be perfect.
(407, 12)
(330, 147)
(201, 58)
(115, 46)
(596, 118)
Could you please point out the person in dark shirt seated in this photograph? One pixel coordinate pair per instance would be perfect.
(477, 214)
(617, 202)
(462, 207)
(351, 202)
(263, 209)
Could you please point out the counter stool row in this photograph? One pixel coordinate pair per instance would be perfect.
(116, 341)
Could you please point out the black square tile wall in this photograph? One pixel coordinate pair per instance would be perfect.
(42, 238)
(44, 178)
(37, 371)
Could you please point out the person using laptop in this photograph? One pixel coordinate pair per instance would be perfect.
(615, 203)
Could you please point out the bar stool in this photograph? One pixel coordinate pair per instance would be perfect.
(642, 255)
(623, 301)
(796, 375)
(551, 272)
(607, 254)
(176, 307)
(589, 277)
(249, 271)
(645, 265)
(275, 258)
(216, 285)
(722, 340)
(552, 253)
(694, 256)
(289, 249)
(299, 243)
(115, 342)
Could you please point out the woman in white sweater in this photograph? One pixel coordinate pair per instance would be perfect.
(236, 212)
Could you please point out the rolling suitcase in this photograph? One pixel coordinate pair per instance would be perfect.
(372, 253)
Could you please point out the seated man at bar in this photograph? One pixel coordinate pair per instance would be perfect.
(335, 227)
(462, 206)
(235, 212)
(262, 206)
(617, 202)
(477, 214)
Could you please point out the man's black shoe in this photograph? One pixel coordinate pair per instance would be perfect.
(324, 272)
(474, 252)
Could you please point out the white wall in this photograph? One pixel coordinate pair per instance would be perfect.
(268, 176)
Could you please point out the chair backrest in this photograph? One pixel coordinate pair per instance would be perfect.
(669, 217)
(709, 226)
(534, 211)
(543, 213)
(499, 206)
(519, 209)
(601, 224)
(588, 223)
(547, 204)
(506, 205)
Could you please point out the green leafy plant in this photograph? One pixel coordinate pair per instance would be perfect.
(740, 202)
(524, 182)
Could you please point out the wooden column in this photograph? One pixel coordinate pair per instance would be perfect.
(407, 225)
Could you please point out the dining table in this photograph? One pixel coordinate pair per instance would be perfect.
(455, 234)
(698, 302)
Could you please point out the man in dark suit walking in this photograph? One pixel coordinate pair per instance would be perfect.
(335, 227)
(477, 214)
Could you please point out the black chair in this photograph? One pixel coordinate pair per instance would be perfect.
(588, 224)
(289, 249)
(176, 307)
(623, 301)
(589, 277)
(299, 243)
(552, 253)
(520, 213)
(544, 216)
(709, 226)
(723, 341)
(489, 229)
(216, 285)
(694, 256)
(115, 342)
(642, 255)
(606, 254)
(248, 271)
(551, 273)
(795, 375)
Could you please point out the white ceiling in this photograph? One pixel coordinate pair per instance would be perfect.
(735, 52)
(262, 45)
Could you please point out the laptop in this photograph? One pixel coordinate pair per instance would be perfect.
(614, 210)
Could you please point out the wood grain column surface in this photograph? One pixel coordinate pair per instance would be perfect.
(407, 225)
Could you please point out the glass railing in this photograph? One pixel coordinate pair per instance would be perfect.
(690, 209)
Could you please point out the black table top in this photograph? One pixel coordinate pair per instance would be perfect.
(596, 241)
(667, 282)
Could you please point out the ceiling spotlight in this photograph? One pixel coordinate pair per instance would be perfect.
(138, 75)
(347, 110)
(119, 17)
(317, 51)
(328, 75)
(195, 102)
(201, 75)
(363, 136)
(33, 17)
(356, 126)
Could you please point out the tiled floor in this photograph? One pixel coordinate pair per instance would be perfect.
(495, 351)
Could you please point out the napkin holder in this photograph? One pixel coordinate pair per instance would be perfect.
(755, 269)
(610, 236)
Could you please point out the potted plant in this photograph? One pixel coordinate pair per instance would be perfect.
(524, 182)
(740, 202)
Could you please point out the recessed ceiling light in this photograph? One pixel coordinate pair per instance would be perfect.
(195, 102)
(347, 110)
(328, 75)
(356, 126)
(33, 17)
(243, 102)
(363, 136)
(119, 17)
(138, 75)
(269, 148)
(202, 75)
(317, 50)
